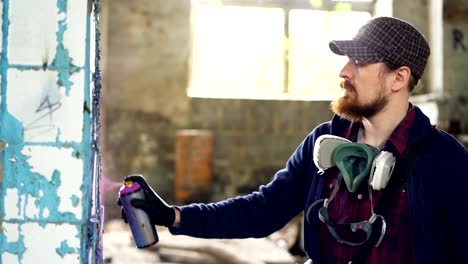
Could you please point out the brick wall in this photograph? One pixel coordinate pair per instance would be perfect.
(253, 138)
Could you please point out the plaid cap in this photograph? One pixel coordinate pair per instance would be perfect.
(387, 39)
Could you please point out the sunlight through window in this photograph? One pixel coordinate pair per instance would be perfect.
(314, 68)
(237, 51)
(240, 51)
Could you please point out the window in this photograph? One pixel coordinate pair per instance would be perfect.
(314, 68)
(270, 51)
(238, 50)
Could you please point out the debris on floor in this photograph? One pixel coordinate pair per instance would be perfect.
(119, 248)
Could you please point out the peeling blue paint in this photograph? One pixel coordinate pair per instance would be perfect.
(65, 249)
(21, 248)
(19, 175)
(22, 67)
(77, 147)
(62, 61)
(16, 248)
(62, 5)
(11, 132)
(4, 61)
(12, 129)
(75, 200)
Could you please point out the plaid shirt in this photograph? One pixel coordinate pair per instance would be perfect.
(346, 207)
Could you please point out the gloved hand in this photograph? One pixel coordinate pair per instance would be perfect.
(159, 212)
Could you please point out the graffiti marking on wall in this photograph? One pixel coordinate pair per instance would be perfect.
(46, 108)
(458, 36)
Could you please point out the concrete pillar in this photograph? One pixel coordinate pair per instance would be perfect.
(46, 68)
(435, 67)
(383, 8)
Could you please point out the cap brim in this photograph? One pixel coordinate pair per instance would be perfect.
(354, 50)
(323, 150)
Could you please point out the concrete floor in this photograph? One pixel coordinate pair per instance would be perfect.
(119, 248)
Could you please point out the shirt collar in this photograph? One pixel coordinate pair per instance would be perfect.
(399, 137)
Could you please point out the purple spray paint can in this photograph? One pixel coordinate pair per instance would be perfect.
(143, 231)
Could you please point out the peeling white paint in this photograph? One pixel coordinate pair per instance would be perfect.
(36, 251)
(8, 258)
(11, 205)
(45, 214)
(31, 210)
(45, 160)
(32, 38)
(75, 37)
(11, 230)
(46, 113)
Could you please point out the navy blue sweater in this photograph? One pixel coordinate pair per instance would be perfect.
(436, 191)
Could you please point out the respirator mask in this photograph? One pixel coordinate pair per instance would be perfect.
(357, 163)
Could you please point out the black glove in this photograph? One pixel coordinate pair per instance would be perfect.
(159, 212)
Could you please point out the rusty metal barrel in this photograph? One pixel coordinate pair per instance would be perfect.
(193, 166)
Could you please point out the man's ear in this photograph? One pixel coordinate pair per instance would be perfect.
(402, 78)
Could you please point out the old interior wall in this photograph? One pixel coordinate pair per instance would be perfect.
(451, 101)
(454, 109)
(253, 138)
(145, 95)
(146, 104)
(415, 12)
(44, 128)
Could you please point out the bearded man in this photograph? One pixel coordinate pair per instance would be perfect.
(377, 184)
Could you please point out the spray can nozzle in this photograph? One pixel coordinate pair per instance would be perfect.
(128, 183)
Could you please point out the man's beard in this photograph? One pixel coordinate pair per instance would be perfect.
(349, 106)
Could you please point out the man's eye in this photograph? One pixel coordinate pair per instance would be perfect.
(360, 63)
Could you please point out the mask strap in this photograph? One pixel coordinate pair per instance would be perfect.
(335, 191)
(369, 188)
(375, 216)
(325, 201)
(363, 224)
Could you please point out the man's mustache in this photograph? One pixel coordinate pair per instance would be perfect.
(346, 85)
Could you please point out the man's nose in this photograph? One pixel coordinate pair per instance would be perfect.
(345, 72)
